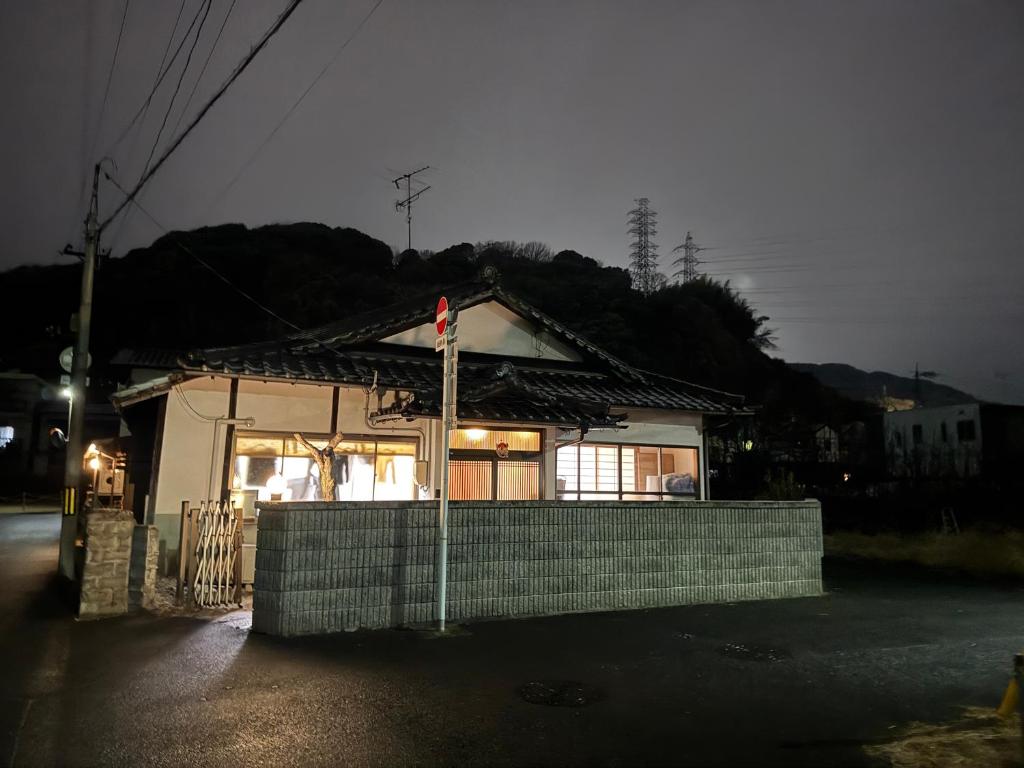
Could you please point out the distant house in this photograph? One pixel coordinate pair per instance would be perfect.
(29, 408)
(543, 414)
(955, 441)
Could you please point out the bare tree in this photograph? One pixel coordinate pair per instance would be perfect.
(324, 458)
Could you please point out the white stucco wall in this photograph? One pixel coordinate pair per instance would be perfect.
(192, 449)
(491, 328)
(933, 456)
(650, 426)
(186, 452)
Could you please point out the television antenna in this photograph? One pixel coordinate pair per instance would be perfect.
(410, 198)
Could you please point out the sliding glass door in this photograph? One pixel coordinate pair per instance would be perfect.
(492, 464)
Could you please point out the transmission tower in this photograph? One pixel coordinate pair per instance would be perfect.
(643, 251)
(410, 198)
(688, 261)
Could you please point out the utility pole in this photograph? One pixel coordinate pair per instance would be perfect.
(409, 198)
(79, 370)
(688, 260)
(643, 251)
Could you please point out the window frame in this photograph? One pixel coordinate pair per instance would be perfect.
(618, 495)
(491, 456)
(283, 436)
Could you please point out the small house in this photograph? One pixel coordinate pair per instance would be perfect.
(542, 414)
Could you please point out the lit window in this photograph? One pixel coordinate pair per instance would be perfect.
(364, 470)
(6, 436)
(629, 472)
(495, 464)
(479, 439)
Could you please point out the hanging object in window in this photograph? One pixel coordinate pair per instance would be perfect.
(324, 458)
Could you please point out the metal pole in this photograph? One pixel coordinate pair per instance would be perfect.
(79, 369)
(447, 419)
(408, 211)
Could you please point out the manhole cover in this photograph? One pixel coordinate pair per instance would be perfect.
(754, 652)
(559, 693)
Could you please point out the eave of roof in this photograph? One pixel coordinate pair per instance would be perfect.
(145, 390)
(396, 318)
(350, 352)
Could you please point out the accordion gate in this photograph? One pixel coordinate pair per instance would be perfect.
(210, 567)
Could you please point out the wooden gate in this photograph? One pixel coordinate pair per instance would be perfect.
(210, 567)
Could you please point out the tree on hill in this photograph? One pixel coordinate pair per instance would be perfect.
(309, 274)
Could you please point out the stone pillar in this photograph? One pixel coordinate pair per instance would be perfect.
(108, 552)
(142, 577)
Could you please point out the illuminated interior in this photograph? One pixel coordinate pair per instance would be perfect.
(478, 471)
(364, 470)
(480, 439)
(629, 472)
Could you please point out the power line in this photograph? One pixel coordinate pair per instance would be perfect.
(199, 259)
(161, 73)
(177, 87)
(223, 278)
(144, 111)
(292, 5)
(110, 78)
(206, 63)
(256, 152)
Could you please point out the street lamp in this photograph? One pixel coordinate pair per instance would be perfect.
(68, 393)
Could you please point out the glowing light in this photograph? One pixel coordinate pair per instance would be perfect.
(92, 450)
(476, 435)
(846, 477)
(277, 485)
(94, 463)
(67, 393)
(748, 445)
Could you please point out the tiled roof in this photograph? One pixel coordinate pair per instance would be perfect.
(529, 389)
(506, 410)
(146, 358)
(387, 321)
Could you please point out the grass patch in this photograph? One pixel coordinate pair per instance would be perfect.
(997, 554)
(979, 738)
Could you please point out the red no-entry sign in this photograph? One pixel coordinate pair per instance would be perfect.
(442, 316)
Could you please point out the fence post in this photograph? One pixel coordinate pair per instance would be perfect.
(236, 555)
(193, 541)
(182, 552)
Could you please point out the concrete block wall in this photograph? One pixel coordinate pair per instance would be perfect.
(108, 552)
(143, 572)
(331, 566)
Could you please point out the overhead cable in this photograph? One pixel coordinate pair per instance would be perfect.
(252, 158)
(247, 59)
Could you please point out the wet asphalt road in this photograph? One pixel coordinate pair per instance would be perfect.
(794, 682)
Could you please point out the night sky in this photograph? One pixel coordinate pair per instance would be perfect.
(856, 168)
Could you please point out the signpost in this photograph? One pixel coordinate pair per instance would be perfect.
(446, 340)
(442, 316)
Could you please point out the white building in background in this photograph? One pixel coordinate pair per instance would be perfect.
(934, 441)
(543, 414)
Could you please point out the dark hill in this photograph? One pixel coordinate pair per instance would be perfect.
(870, 387)
(175, 294)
